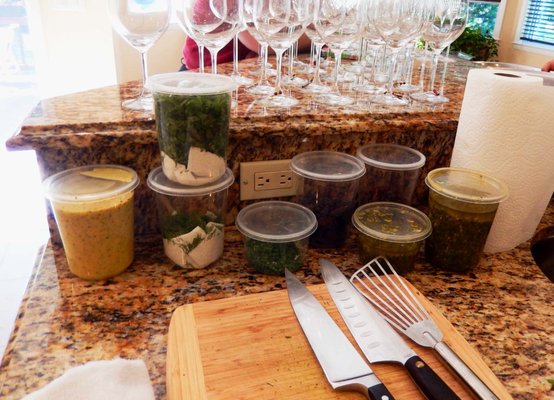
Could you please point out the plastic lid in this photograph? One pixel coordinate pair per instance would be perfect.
(391, 156)
(158, 182)
(276, 221)
(392, 222)
(90, 183)
(191, 83)
(467, 185)
(327, 166)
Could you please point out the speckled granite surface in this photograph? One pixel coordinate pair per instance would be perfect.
(503, 308)
(90, 127)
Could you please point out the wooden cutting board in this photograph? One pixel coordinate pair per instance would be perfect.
(252, 347)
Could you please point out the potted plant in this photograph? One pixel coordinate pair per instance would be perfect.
(478, 45)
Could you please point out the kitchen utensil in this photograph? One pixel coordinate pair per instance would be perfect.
(377, 339)
(391, 297)
(251, 347)
(344, 368)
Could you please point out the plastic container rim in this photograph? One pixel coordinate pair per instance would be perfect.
(292, 237)
(391, 166)
(179, 190)
(411, 238)
(86, 198)
(328, 177)
(159, 83)
(464, 198)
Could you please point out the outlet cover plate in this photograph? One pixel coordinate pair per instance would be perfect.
(267, 179)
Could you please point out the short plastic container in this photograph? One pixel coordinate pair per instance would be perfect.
(462, 207)
(192, 218)
(275, 235)
(392, 230)
(94, 211)
(192, 119)
(392, 172)
(328, 185)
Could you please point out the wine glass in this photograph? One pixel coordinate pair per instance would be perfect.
(339, 23)
(179, 12)
(213, 22)
(315, 85)
(281, 23)
(141, 24)
(446, 23)
(398, 22)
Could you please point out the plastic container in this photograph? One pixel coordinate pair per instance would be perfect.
(275, 235)
(392, 172)
(94, 211)
(192, 119)
(392, 230)
(462, 207)
(192, 218)
(328, 185)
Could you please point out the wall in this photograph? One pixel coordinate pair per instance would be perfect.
(514, 52)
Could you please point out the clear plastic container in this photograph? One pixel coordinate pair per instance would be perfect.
(328, 185)
(94, 211)
(392, 172)
(192, 218)
(275, 235)
(192, 119)
(462, 207)
(392, 230)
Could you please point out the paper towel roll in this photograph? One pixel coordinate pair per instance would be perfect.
(506, 129)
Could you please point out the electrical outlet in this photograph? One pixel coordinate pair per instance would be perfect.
(265, 179)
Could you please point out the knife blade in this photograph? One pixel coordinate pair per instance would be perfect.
(376, 338)
(343, 366)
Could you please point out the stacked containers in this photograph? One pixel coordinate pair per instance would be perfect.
(192, 119)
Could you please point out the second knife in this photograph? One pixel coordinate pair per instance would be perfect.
(376, 338)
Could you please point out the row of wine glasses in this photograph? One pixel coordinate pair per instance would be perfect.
(392, 24)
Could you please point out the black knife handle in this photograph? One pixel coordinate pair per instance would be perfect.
(430, 384)
(379, 392)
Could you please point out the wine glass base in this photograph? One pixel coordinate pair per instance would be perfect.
(261, 89)
(279, 100)
(407, 88)
(268, 71)
(389, 100)
(369, 89)
(294, 81)
(242, 80)
(429, 97)
(316, 88)
(334, 99)
(143, 103)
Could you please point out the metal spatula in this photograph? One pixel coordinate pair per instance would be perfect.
(381, 285)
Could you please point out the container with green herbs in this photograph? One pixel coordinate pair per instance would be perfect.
(462, 207)
(275, 235)
(191, 218)
(392, 230)
(192, 119)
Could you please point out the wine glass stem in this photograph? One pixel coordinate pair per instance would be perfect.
(443, 77)
(394, 58)
(236, 55)
(291, 59)
(144, 72)
(279, 54)
(338, 57)
(318, 47)
(434, 63)
(201, 57)
(263, 54)
(213, 54)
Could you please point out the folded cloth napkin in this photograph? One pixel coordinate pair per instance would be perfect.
(116, 379)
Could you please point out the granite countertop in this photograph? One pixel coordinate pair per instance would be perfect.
(502, 308)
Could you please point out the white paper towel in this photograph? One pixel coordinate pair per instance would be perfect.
(506, 129)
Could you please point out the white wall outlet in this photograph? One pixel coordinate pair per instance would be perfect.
(265, 179)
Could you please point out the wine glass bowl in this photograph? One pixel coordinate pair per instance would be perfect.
(140, 24)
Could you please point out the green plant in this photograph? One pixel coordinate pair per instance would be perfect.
(473, 41)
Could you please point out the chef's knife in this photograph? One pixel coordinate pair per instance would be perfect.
(377, 339)
(343, 366)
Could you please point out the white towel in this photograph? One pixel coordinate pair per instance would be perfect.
(116, 379)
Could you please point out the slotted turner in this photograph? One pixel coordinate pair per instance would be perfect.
(390, 296)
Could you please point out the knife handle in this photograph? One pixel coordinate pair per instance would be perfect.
(430, 384)
(379, 392)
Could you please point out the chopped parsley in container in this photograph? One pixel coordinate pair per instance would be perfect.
(275, 235)
(392, 230)
(192, 119)
(462, 207)
(191, 218)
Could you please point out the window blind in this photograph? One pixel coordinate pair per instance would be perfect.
(538, 25)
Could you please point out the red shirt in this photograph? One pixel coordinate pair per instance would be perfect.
(191, 59)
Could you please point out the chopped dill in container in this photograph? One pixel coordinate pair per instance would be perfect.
(273, 258)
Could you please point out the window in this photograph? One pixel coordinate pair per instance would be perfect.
(538, 25)
(483, 15)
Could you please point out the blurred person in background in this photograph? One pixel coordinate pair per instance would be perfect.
(549, 66)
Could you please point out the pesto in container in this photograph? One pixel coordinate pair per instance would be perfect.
(275, 235)
(192, 119)
(392, 230)
(462, 207)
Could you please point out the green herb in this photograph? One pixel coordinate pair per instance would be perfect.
(180, 223)
(192, 121)
(273, 258)
(401, 255)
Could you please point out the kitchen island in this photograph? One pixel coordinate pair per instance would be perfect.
(502, 308)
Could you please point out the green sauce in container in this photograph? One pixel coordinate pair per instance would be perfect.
(462, 207)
